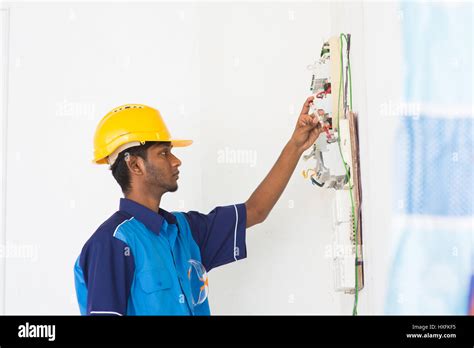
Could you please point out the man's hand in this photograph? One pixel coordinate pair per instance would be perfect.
(307, 128)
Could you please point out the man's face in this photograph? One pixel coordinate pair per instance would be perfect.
(161, 169)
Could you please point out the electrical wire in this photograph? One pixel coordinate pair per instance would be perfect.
(346, 167)
(355, 226)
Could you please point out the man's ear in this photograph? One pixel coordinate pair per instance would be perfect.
(135, 164)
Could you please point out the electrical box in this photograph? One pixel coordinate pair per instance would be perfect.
(336, 153)
(343, 243)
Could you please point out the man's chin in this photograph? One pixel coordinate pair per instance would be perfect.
(173, 188)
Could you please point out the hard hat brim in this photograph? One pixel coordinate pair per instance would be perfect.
(181, 142)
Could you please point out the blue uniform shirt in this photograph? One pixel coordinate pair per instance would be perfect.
(137, 262)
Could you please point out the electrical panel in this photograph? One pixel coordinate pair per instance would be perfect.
(335, 156)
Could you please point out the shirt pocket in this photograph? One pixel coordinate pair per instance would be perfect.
(154, 279)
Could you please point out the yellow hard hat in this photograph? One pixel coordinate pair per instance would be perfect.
(129, 125)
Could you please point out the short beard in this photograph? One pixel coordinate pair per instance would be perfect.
(155, 181)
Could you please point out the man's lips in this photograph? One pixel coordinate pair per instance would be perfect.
(176, 174)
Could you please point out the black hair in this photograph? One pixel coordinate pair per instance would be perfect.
(120, 169)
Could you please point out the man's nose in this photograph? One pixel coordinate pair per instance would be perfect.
(176, 162)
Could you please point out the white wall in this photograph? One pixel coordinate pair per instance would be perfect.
(231, 76)
(69, 66)
(257, 84)
(4, 25)
(376, 61)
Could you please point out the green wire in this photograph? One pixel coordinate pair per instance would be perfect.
(346, 167)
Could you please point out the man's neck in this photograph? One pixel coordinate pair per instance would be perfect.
(150, 202)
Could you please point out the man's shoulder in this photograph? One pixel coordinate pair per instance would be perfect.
(105, 233)
(104, 247)
(179, 215)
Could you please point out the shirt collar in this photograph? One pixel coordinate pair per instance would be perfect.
(148, 217)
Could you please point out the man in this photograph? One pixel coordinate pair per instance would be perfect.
(144, 260)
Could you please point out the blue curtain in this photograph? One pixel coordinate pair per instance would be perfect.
(433, 263)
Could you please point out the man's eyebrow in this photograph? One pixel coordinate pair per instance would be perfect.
(164, 145)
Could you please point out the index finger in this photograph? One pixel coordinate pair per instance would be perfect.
(307, 105)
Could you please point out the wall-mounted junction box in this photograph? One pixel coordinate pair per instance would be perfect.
(330, 85)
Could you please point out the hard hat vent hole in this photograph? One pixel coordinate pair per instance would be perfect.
(128, 107)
